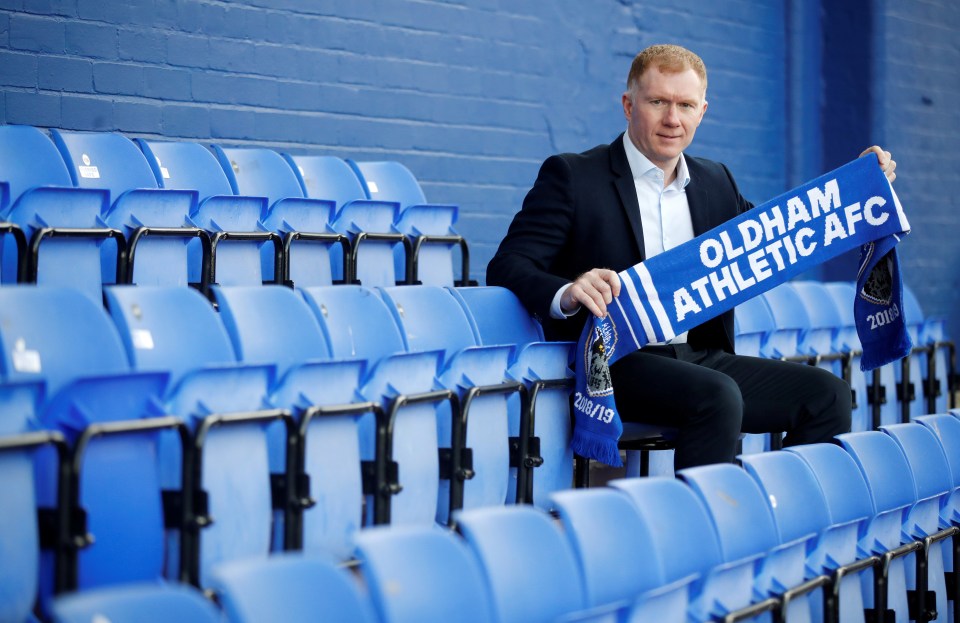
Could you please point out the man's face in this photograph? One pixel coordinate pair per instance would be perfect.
(663, 113)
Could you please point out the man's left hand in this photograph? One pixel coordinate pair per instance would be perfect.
(887, 163)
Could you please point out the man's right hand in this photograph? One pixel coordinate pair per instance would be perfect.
(594, 290)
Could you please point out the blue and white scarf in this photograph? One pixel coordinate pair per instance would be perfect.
(660, 298)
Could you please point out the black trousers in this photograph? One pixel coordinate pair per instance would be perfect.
(712, 396)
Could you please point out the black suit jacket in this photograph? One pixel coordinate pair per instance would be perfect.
(583, 213)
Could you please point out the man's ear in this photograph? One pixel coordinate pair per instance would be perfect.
(627, 105)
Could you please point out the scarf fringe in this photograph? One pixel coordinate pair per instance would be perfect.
(872, 358)
(598, 447)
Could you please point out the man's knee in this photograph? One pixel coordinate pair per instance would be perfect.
(721, 403)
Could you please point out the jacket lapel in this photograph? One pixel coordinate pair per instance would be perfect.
(698, 200)
(623, 180)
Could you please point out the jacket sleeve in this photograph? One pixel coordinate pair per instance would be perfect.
(539, 233)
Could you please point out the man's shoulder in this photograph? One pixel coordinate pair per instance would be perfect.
(704, 169)
(595, 159)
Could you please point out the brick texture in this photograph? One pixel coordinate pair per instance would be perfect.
(473, 95)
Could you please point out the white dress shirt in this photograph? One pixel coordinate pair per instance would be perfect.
(664, 212)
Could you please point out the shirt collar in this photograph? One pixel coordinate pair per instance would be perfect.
(640, 165)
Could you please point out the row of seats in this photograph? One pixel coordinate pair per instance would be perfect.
(861, 530)
(188, 435)
(87, 209)
(813, 323)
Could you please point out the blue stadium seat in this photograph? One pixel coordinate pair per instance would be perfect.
(754, 325)
(154, 222)
(292, 588)
(429, 227)
(892, 488)
(137, 603)
(542, 427)
(367, 223)
(291, 214)
(931, 353)
(687, 544)
(934, 483)
(819, 340)
(791, 320)
(876, 392)
(232, 221)
(947, 429)
(745, 527)
(529, 566)
(273, 324)
(800, 507)
(419, 573)
(20, 539)
(401, 438)
(606, 533)
(61, 337)
(176, 329)
(914, 366)
(430, 319)
(67, 221)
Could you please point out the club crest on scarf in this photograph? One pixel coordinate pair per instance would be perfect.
(597, 353)
(878, 288)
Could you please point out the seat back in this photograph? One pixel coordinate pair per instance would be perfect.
(57, 335)
(498, 316)
(607, 532)
(429, 318)
(185, 165)
(143, 603)
(509, 541)
(270, 324)
(792, 491)
(924, 453)
(104, 160)
(678, 522)
(356, 322)
(289, 587)
(422, 574)
(737, 507)
(389, 181)
(884, 467)
(169, 328)
(791, 320)
(844, 487)
(326, 177)
(754, 326)
(28, 159)
(825, 320)
(258, 172)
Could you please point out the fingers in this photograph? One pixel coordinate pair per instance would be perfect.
(594, 290)
(887, 164)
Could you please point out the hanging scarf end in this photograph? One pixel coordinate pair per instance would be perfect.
(596, 447)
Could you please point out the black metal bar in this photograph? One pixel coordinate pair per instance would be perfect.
(413, 260)
(880, 597)
(458, 437)
(384, 455)
(173, 232)
(771, 604)
(196, 521)
(875, 399)
(375, 236)
(329, 238)
(102, 233)
(302, 500)
(954, 577)
(528, 423)
(20, 240)
(77, 541)
(904, 395)
(800, 590)
(264, 236)
(831, 598)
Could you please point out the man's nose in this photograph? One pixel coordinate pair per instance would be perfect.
(672, 116)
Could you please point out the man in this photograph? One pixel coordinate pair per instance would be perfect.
(593, 214)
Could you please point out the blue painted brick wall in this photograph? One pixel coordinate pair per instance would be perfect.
(915, 113)
(471, 95)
